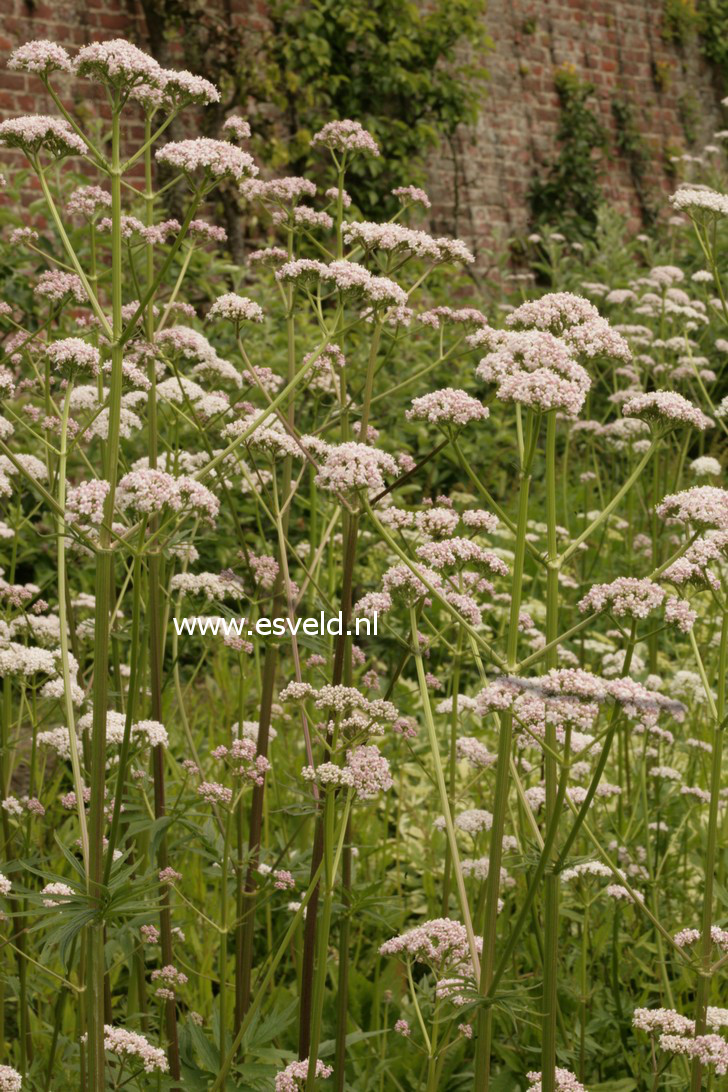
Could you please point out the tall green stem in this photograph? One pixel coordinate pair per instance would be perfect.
(104, 570)
(442, 791)
(706, 944)
(500, 803)
(551, 923)
(63, 619)
(331, 857)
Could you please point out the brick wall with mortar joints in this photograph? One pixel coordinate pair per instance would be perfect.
(617, 46)
(614, 44)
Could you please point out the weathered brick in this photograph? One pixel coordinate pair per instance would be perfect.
(612, 43)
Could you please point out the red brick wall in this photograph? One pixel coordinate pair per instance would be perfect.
(615, 44)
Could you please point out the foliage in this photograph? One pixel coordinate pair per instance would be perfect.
(569, 191)
(713, 16)
(632, 145)
(680, 21)
(521, 763)
(412, 76)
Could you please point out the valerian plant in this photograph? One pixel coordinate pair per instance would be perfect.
(481, 846)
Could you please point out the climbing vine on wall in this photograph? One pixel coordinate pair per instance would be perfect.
(633, 147)
(412, 77)
(569, 192)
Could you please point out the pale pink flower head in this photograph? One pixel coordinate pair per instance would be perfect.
(235, 308)
(412, 195)
(269, 255)
(169, 875)
(627, 595)
(7, 383)
(367, 772)
(284, 191)
(576, 320)
(72, 356)
(86, 201)
(147, 491)
(396, 238)
(703, 506)
(306, 217)
(169, 975)
(351, 466)
(402, 585)
(10, 1079)
(402, 1028)
(457, 552)
(119, 64)
(447, 407)
(41, 57)
(210, 233)
(61, 890)
(534, 368)
(667, 408)
(180, 88)
(565, 1081)
(217, 158)
(283, 880)
(215, 793)
(700, 202)
(33, 132)
(55, 285)
(345, 136)
(293, 1077)
(85, 502)
(235, 126)
(440, 942)
(469, 317)
(21, 235)
(347, 277)
(130, 1044)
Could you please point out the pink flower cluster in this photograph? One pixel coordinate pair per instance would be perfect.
(533, 368)
(130, 1044)
(452, 552)
(212, 792)
(703, 506)
(218, 158)
(666, 406)
(236, 308)
(237, 127)
(293, 1077)
(88, 200)
(566, 1081)
(41, 57)
(147, 491)
(576, 320)
(85, 502)
(351, 466)
(71, 355)
(347, 277)
(447, 406)
(35, 131)
(10, 1079)
(345, 136)
(627, 595)
(412, 195)
(439, 942)
(396, 237)
(54, 284)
